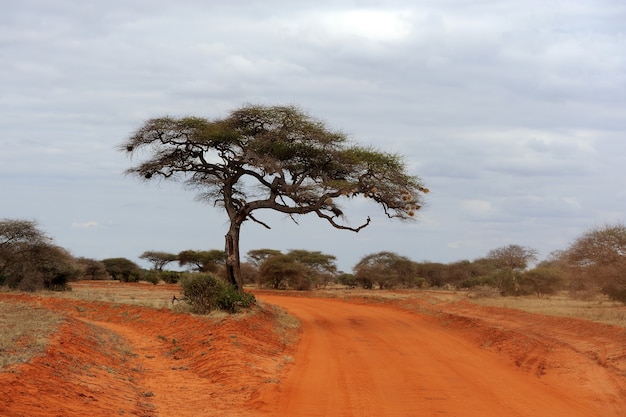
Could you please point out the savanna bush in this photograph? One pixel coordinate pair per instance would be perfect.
(206, 292)
(231, 300)
(152, 276)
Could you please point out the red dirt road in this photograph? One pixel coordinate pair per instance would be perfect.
(402, 355)
(373, 360)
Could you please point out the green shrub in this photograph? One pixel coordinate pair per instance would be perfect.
(171, 277)
(348, 280)
(201, 290)
(231, 300)
(129, 276)
(152, 276)
(206, 292)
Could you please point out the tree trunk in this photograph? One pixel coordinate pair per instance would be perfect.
(233, 264)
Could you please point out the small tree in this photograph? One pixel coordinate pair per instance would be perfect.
(158, 259)
(596, 261)
(92, 269)
(542, 280)
(321, 267)
(122, 269)
(515, 257)
(386, 269)
(281, 271)
(275, 158)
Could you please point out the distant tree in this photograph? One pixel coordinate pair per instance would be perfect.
(542, 280)
(275, 158)
(349, 280)
(321, 266)
(258, 256)
(92, 269)
(515, 257)
(29, 261)
(507, 280)
(279, 271)
(433, 272)
(52, 266)
(385, 269)
(249, 273)
(158, 259)
(597, 260)
(298, 269)
(466, 274)
(202, 260)
(122, 269)
(17, 237)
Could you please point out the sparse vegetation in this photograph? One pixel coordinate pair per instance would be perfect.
(599, 309)
(24, 332)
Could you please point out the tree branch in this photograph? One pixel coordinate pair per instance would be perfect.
(254, 219)
(331, 220)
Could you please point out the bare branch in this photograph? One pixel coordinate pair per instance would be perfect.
(331, 220)
(254, 219)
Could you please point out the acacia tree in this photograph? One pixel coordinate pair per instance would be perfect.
(257, 256)
(272, 157)
(387, 269)
(158, 259)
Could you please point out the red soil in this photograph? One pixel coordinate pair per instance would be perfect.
(354, 358)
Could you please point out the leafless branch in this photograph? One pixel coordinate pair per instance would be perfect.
(331, 220)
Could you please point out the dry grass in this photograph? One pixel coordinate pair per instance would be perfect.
(142, 294)
(24, 332)
(600, 310)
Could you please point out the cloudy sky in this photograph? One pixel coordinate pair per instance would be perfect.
(512, 112)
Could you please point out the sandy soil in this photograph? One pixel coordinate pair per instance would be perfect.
(406, 357)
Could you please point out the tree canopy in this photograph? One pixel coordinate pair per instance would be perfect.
(158, 259)
(272, 157)
(385, 269)
(202, 260)
(512, 256)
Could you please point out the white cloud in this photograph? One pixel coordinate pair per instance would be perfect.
(369, 24)
(85, 225)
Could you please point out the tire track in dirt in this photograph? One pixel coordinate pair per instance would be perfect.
(372, 360)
